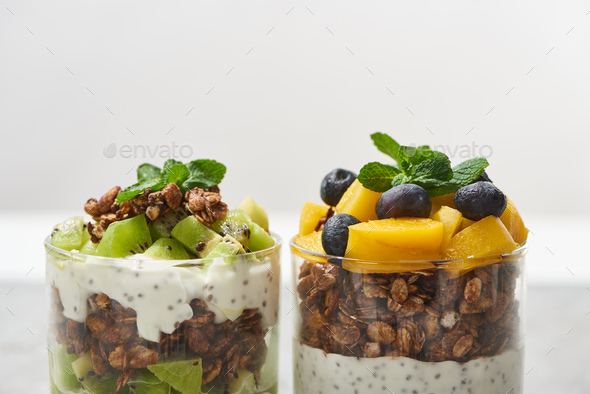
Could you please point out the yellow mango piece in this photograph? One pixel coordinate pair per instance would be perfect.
(444, 200)
(310, 217)
(364, 247)
(465, 223)
(380, 267)
(451, 220)
(359, 202)
(514, 223)
(402, 233)
(485, 237)
(311, 242)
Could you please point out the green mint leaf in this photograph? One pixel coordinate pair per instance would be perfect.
(147, 171)
(138, 188)
(463, 174)
(204, 173)
(438, 168)
(386, 144)
(400, 179)
(377, 177)
(175, 173)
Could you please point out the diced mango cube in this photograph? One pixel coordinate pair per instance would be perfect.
(444, 200)
(310, 217)
(451, 220)
(514, 223)
(311, 242)
(359, 202)
(402, 233)
(465, 223)
(364, 247)
(485, 237)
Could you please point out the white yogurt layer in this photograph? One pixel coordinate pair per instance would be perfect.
(160, 293)
(317, 372)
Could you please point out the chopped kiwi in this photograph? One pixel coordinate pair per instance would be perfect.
(128, 236)
(89, 248)
(168, 249)
(195, 236)
(183, 375)
(162, 226)
(239, 225)
(229, 246)
(144, 382)
(67, 235)
(243, 383)
(255, 211)
(60, 363)
(93, 382)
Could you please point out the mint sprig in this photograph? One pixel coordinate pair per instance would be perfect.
(419, 165)
(203, 173)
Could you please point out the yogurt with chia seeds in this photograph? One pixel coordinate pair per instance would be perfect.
(318, 372)
(160, 292)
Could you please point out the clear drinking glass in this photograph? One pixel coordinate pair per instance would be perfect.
(208, 322)
(454, 326)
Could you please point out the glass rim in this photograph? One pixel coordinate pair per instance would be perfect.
(75, 255)
(338, 260)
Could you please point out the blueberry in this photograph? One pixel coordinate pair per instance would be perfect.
(407, 200)
(335, 184)
(480, 199)
(335, 233)
(483, 178)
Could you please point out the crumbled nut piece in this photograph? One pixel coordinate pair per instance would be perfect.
(381, 332)
(472, 290)
(372, 349)
(142, 357)
(104, 205)
(325, 282)
(205, 205)
(399, 290)
(462, 346)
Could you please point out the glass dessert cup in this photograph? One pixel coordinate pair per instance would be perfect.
(117, 318)
(408, 327)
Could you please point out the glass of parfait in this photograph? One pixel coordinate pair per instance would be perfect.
(401, 292)
(178, 301)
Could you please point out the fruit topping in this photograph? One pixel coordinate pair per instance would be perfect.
(335, 233)
(162, 226)
(311, 214)
(167, 249)
(255, 211)
(68, 234)
(407, 200)
(514, 223)
(335, 184)
(197, 238)
(483, 178)
(485, 237)
(480, 199)
(184, 375)
(125, 237)
(239, 225)
(229, 246)
(451, 220)
(311, 242)
(359, 202)
(407, 233)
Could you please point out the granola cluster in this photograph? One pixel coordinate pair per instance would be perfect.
(110, 334)
(426, 315)
(206, 205)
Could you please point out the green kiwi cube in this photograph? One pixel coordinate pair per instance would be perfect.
(228, 247)
(63, 375)
(67, 235)
(125, 237)
(184, 375)
(167, 249)
(195, 236)
(162, 226)
(255, 211)
(236, 224)
(144, 382)
(89, 248)
(259, 239)
(93, 382)
(244, 383)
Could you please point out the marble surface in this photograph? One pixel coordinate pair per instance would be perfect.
(557, 345)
